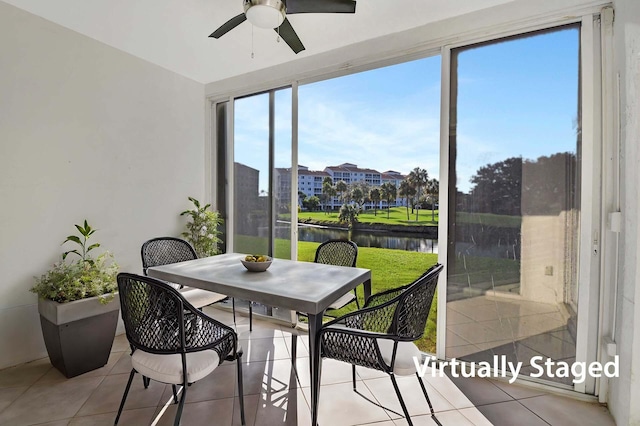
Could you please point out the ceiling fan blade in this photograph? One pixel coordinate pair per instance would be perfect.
(320, 6)
(289, 35)
(229, 25)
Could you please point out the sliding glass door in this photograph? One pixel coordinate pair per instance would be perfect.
(253, 151)
(514, 201)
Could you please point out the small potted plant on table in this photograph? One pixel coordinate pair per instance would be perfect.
(78, 313)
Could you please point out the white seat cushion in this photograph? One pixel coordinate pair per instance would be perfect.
(404, 365)
(346, 298)
(168, 368)
(200, 298)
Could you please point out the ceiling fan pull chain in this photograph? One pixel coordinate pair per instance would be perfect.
(278, 39)
(251, 41)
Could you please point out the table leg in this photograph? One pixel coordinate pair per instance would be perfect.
(367, 289)
(315, 364)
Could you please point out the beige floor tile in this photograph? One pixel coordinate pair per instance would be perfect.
(461, 351)
(8, 395)
(219, 412)
(511, 413)
(140, 416)
(287, 407)
(261, 330)
(475, 416)
(24, 374)
(445, 418)
(518, 391)
(480, 391)
(382, 390)
(275, 375)
(302, 344)
(123, 365)
(220, 384)
(121, 344)
(332, 372)
(256, 349)
(340, 406)
(369, 373)
(250, 410)
(50, 402)
(106, 398)
(455, 317)
(448, 390)
(63, 422)
(55, 376)
(566, 411)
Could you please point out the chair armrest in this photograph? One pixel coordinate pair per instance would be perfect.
(354, 346)
(378, 319)
(203, 332)
(384, 296)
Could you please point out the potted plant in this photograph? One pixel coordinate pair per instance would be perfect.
(202, 231)
(78, 313)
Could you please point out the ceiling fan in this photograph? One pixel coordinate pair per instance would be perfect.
(272, 14)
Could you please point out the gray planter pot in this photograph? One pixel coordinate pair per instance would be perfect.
(78, 335)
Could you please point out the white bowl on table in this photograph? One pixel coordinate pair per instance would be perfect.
(257, 266)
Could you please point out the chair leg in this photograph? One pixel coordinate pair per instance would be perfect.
(175, 394)
(250, 316)
(424, 391)
(124, 397)
(146, 381)
(399, 395)
(176, 422)
(353, 375)
(233, 307)
(240, 389)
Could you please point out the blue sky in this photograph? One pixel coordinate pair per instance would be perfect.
(515, 98)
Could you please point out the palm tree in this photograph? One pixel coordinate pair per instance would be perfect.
(357, 196)
(408, 192)
(433, 190)
(341, 188)
(374, 196)
(418, 178)
(388, 193)
(349, 214)
(328, 191)
(301, 197)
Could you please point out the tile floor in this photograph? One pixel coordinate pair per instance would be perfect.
(481, 327)
(36, 393)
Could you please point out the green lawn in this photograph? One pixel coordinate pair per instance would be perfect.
(397, 216)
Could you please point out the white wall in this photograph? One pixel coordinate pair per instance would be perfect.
(625, 391)
(86, 131)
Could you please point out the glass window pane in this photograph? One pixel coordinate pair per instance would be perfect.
(515, 162)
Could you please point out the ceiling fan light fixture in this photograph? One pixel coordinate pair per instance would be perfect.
(265, 13)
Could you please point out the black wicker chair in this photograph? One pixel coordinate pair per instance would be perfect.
(171, 340)
(340, 253)
(165, 250)
(381, 334)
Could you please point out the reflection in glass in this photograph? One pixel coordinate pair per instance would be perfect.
(512, 276)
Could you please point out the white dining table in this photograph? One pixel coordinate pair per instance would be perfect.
(300, 286)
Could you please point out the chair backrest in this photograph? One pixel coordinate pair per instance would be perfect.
(165, 250)
(414, 305)
(337, 252)
(152, 312)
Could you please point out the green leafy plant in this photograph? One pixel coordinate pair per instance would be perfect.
(86, 277)
(202, 231)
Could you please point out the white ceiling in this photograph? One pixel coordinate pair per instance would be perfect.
(174, 33)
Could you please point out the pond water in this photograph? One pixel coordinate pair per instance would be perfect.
(389, 240)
